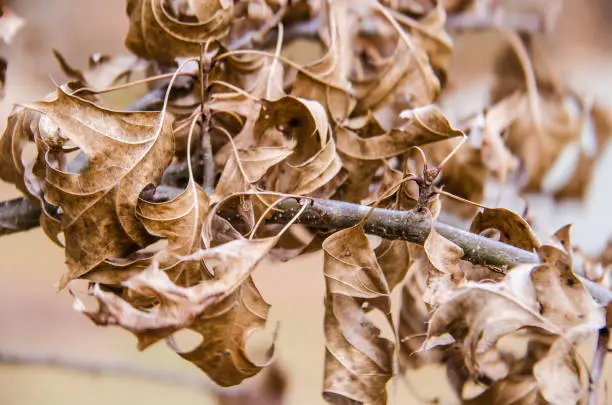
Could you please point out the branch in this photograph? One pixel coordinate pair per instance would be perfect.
(18, 215)
(601, 351)
(330, 214)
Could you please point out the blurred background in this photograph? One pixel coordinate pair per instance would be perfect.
(35, 318)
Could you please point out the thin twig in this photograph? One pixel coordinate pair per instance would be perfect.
(603, 338)
(109, 368)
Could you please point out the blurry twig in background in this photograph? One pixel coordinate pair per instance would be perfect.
(107, 368)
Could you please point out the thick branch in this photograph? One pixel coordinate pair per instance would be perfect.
(330, 214)
(18, 215)
(405, 225)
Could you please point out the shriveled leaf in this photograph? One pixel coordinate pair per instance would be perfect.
(443, 254)
(126, 151)
(414, 316)
(479, 314)
(252, 165)
(326, 80)
(158, 33)
(512, 228)
(351, 268)
(406, 68)
(357, 361)
(423, 125)
(495, 154)
(226, 309)
(180, 221)
(561, 375)
(22, 128)
(303, 125)
(225, 329)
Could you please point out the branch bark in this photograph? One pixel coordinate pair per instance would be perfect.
(22, 214)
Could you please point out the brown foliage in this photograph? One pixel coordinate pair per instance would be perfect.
(358, 124)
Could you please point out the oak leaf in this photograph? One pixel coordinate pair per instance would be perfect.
(126, 151)
(358, 361)
(161, 34)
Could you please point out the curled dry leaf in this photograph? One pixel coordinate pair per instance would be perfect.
(560, 375)
(414, 315)
(443, 259)
(126, 152)
(403, 69)
(103, 70)
(226, 308)
(512, 228)
(161, 34)
(246, 167)
(303, 125)
(326, 80)
(358, 361)
(22, 128)
(479, 314)
(539, 147)
(495, 155)
(423, 125)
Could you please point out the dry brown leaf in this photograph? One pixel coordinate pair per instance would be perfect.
(157, 33)
(539, 149)
(479, 314)
(357, 360)
(442, 264)
(326, 80)
(303, 125)
(404, 69)
(413, 320)
(562, 296)
(495, 155)
(443, 254)
(512, 228)
(180, 221)
(423, 125)
(561, 375)
(103, 70)
(22, 128)
(225, 309)
(252, 165)
(225, 329)
(126, 151)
